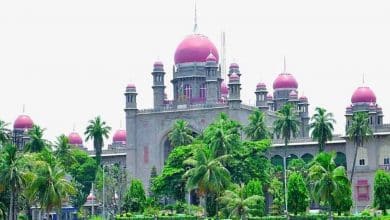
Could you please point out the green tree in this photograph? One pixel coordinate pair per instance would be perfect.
(298, 195)
(50, 185)
(13, 174)
(321, 127)
(382, 190)
(153, 175)
(207, 175)
(36, 142)
(276, 190)
(5, 135)
(63, 152)
(97, 130)
(359, 132)
(135, 197)
(327, 179)
(255, 188)
(180, 134)
(343, 198)
(257, 128)
(238, 203)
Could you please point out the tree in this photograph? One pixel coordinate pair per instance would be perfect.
(382, 190)
(327, 180)
(36, 142)
(5, 135)
(276, 190)
(180, 134)
(207, 174)
(13, 174)
(49, 186)
(237, 203)
(343, 198)
(135, 197)
(97, 130)
(63, 151)
(153, 175)
(255, 188)
(359, 132)
(298, 195)
(321, 127)
(257, 128)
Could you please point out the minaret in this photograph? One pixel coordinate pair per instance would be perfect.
(234, 99)
(234, 68)
(158, 85)
(131, 114)
(261, 96)
(212, 79)
(303, 108)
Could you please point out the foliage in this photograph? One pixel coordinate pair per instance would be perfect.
(286, 125)
(328, 181)
(382, 190)
(36, 142)
(97, 130)
(321, 127)
(257, 128)
(359, 132)
(252, 188)
(63, 152)
(180, 134)
(135, 197)
(276, 190)
(153, 175)
(297, 165)
(5, 135)
(298, 195)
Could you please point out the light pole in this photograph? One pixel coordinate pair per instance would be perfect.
(285, 182)
(104, 200)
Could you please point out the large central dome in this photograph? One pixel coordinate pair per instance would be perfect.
(195, 48)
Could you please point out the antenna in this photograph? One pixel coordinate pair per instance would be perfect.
(223, 55)
(195, 20)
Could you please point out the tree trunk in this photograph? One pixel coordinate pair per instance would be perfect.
(354, 161)
(11, 206)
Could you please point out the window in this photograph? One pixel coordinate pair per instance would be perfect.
(386, 161)
(362, 156)
(202, 91)
(362, 162)
(187, 91)
(362, 190)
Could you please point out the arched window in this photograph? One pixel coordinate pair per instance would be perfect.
(341, 160)
(187, 91)
(202, 91)
(277, 160)
(307, 157)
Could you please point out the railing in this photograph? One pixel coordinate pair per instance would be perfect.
(304, 139)
(384, 167)
(168, 108)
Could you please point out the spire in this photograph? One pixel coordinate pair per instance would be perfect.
(363, 79)
(195, 20)
(24, 108)
(74, 127)
(284, 64)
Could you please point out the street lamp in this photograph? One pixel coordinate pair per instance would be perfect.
(285, 181)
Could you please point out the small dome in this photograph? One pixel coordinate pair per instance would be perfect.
(119, 136)
(91, 197)
(224, 89)
(270, 97)
(261, 86)
(75, 139)
(293, 95)
(234, 65)
(303, 99)
(195, 48)
(158, 64)
(285, 81)
(234, 76)
(211, 58)
(23, 122)
(363, 94)
(130, 86)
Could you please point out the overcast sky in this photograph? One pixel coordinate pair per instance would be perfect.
(68, 61)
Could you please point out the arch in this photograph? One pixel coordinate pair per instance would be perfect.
(341, 159)
(277, 160)
(307, 157)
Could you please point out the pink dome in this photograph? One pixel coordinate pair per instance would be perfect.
(293, 94)
(75, 139)
(119, 136)
(23, 122)
(303, 98)
(211, 58)
(224, 89)
(261, 86)
(363, 94)
(91, 197)
(269, 97)
(285, 81)
(130, 86)
(234, 76)
(195, 48)
(234, 65)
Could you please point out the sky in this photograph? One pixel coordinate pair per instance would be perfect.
(69, 61)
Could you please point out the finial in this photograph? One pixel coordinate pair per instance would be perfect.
(195, 20)
(74, 127)
(284, 64)
(24, 106)
(120, 123)
(363, 79)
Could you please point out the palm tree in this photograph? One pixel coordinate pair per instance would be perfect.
(5, 135)
(321, 127)
(359, 132)
(237, 204)
(63, 151)
(327, 179)
(207, 175)
(36, 143)
(13, 175)
(257, 128)
(50, 186)
(287, 126)
(180, 134)
(97, 130)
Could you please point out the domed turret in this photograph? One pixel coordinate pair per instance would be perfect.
(211, 58)
(119, 136)
(261, 86)
(195, 48)
(75, 139)
(293, 95)
(363, 94)
(130, 86)
(303, 99)
(224, 89)
(23, 122)
(234, 77)
(285, 81)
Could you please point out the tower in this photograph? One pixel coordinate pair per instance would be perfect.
(261, 96)
(234, 99)
(303, 109)
(131, 114)
(158, 85)
(212, 77)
